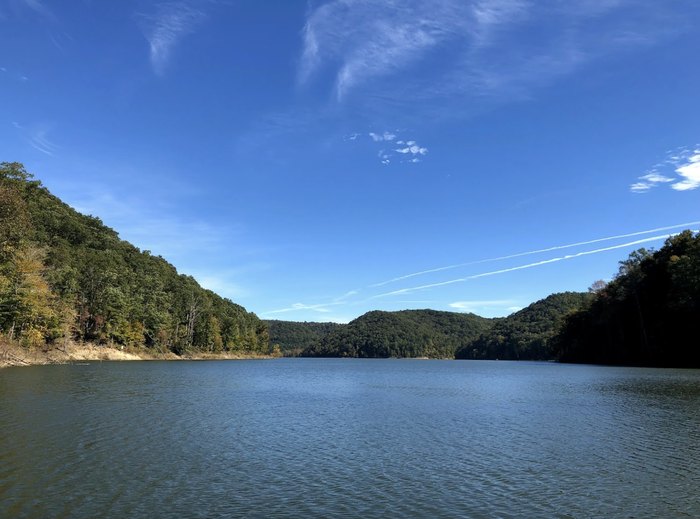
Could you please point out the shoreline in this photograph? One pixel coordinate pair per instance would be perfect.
(12, 355)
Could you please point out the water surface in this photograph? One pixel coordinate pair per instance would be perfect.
(348, 438)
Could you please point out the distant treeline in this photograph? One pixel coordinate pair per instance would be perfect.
(64, 275)
(408, 333)
(646, 316)
(293, 337)
(524, 335)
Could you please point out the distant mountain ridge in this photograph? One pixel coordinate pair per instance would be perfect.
(406, 333)
(524, 335)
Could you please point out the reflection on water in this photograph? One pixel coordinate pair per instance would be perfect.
(361, 438)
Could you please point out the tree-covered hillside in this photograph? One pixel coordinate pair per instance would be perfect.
(647, 316)
(408, 333)
(66, 275)
(528, 333)
(293, 337)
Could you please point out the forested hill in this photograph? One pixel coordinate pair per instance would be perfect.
(647, 316)
(293, 337)
(408, 333)
(527, 334)
(66, 275)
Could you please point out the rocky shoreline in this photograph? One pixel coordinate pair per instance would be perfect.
(15, 355)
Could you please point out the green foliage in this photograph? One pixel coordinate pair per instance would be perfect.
(293, 337)
(66, 274)
(528, 333)
(647, 315)
(408, 333)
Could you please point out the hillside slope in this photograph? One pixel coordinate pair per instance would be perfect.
(528, 333)
(293, 337)
(647, 316)
(64, 275)
(407, 333)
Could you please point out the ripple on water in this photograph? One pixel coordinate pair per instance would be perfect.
(325, 438)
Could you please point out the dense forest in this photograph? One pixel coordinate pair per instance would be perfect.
(293, 337)
(407, 333)
(647, 316)
(524, 335)
(527, 334)
(64, 275)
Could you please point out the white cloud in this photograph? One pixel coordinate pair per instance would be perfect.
(167, 27)
(640, 187)
(413, 150)
(684, 162)
(655, 178)
(410, 148)
(690, 171)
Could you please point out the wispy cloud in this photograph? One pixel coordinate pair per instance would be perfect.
(298, 307)
(476, 306)
(522, 267)
(221, 283)
(164, 29)
(37, 136)
(39, 7)
(536, 251)
(474, 49)
(683, 162)
(14, 74)
(379, 137)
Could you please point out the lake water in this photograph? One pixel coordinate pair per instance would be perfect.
(348, 438)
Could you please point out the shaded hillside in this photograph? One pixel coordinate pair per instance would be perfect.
(66, 275)
(647, 316)
(408, 333)
(528, 333)
(293, 337)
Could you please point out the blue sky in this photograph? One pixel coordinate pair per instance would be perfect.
(316, 160)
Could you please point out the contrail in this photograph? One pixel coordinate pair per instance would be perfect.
(527, 266)
(538, 251)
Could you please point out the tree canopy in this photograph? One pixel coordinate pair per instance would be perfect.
(66, 275)
(647, 315)
(407, 333)
(293, 337)
(527, 334)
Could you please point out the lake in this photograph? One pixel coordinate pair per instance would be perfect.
(348, 438)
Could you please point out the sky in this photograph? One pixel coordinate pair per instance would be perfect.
(314, 160)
